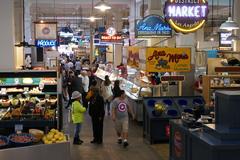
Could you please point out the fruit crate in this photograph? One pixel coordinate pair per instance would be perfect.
(59, 151)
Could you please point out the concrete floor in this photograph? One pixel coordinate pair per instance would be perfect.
(138, 149)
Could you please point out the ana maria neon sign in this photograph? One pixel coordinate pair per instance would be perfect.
(186, 15)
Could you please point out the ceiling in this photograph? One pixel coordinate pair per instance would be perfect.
(77, 12)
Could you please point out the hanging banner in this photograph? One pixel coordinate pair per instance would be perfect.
(152, 26)
(168, 59)
(46, 30)
(133, 57)
(186, 16)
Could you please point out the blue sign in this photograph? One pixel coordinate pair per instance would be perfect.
(46, 43)
(153, 26)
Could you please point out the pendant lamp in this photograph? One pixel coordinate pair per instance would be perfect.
(102, 6)
(229, 24)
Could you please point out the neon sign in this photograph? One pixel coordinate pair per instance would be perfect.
(153, 26)
(186, 16)
(117, 38)
(45, 43)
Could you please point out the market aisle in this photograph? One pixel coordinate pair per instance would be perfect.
(110, 150)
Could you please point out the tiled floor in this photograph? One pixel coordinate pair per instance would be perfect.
(138, 149)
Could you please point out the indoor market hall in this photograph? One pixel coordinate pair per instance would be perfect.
(119, 79)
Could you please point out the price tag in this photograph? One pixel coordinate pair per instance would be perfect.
(18, 128)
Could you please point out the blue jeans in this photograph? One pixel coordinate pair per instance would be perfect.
(78, 127)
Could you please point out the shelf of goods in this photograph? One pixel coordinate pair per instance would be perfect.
(211, 83)
(30, 99)
(35, 145)
(159, 110)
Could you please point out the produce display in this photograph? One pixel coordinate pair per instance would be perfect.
(21, 138)
(28, 108)
(54, 136)
(37, 134)
(159, 107)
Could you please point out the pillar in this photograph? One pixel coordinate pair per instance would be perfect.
(7, 61)
(236, 18)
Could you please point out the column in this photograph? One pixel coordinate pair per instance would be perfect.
(7, 61)
(236, 18)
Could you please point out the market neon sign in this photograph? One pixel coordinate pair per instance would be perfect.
(186, 15)
(46, 43)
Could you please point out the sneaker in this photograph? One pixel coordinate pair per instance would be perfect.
(119, 141)
(125, 144)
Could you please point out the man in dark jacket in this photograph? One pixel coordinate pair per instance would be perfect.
(96, 111)
(74, 84)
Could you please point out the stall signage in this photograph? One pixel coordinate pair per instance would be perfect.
(186, 16)
(168, 59)
(117, 38)
(133, 59)
(153, 26)
(45, 43)
(223, 42)
(172, 78)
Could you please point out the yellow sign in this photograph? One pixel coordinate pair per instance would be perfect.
(133, 57)
(168, 59)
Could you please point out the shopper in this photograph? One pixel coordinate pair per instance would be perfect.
(90, 91)
(78, 66)
(198, 85)
(106, 92)
(96, 111)
(116, 89)
(85, 83)
(77, 115)
(70, 86)
(120, 109)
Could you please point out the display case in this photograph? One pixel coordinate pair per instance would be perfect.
(211, 83)
(136, 90)
(100, 73)
(29, 99)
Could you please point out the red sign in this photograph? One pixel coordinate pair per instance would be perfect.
(116, 38)
(172, 78)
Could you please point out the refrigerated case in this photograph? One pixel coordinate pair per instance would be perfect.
(135, 93)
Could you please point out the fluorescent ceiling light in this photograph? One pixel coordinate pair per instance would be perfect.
(229, 25)
(92, 19)
(102, 6)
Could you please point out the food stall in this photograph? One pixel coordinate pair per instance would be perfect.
(30, 109)
(208, 138)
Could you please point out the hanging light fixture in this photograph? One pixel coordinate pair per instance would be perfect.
(229, 24)
(102, 6)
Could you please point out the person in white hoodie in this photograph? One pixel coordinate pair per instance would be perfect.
(106, 91)
(85, 83)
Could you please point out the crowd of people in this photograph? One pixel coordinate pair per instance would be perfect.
(83, 92)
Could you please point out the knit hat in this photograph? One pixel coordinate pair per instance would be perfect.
(76, 95)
